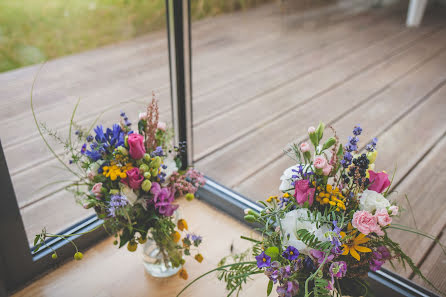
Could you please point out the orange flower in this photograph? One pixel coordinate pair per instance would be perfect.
(199, 258)
(183, 274)
(353, 245)
(182, 224)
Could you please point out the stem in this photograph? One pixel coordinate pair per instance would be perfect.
(250, 239)
(40, 130)
(213, 270)
(71, 122)
(314, 274)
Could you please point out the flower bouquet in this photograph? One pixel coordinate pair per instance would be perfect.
(327, 229)
(131, 178)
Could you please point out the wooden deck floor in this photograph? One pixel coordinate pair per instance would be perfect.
(261, 77)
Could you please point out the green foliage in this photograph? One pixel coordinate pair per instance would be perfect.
(269, 288)
(320, 287)
(312, 241)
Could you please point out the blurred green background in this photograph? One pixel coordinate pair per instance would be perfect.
(32, 31)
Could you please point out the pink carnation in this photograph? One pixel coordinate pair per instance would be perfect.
(320, 162)
(304, 147)
(96, 190)
(365, 222)
(394, 210)
(327, 169)
(303, 192)
(383, 218)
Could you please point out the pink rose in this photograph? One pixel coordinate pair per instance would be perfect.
(134, 178)
(379, 181)
(96, 190)
(365, 222)
(320, 162)
(327, 169)
(394, 209)
(162, 126)
(311, 130)
(136, 144)
(303, 192)
(383, 218)
(304, 147)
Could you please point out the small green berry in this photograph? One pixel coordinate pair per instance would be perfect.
(115, 242)
(132, 246)
(189, 196)
(78, 256)
(147, 175)
(54, 256)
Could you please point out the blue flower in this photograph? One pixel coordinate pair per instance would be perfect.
(263, 260)
(291, 253)
(372, 145)
(90, 138)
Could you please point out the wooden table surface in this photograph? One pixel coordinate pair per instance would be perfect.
(107, 271)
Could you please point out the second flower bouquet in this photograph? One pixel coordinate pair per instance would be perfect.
(131, 178)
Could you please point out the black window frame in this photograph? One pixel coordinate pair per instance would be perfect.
(18, 266)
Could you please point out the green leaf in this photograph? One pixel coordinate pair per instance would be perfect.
(329, 143)
(273, 252)
(36, 239)
(270, 288)
(340, 152)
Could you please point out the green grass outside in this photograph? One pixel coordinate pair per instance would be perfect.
(32, 31)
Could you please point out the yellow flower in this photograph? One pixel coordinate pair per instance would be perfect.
(270, 199)
(353, 245)
(199, 258)
(176, 236)
(182, 224)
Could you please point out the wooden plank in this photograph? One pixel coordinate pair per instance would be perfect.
(338, 103)
(159, 77)
(434, 266)
(250, 117)
(296, 61)
(92, 276)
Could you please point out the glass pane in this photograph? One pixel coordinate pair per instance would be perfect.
(110, 54)
(265, 72)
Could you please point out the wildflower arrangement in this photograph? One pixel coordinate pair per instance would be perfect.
(327, 229)
(131, 178)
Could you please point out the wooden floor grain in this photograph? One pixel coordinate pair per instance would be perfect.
(260, 78)
(107, 271)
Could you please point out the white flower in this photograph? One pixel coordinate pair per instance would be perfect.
(128, 192)
(92, 170)
(287, 179)
(171, 167)
(371, 201)
(298, 219)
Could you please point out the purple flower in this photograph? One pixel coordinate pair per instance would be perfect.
(357, 130)
(372, 145)
(273, 272)
(291, 253)
(89, 138)
(157, 152)
(320, 256)
(288, 289)
(309, 264)
(163, 198)
(338, 269)
(84, 148)
(116, 202)
(379, 257)
(263, 260)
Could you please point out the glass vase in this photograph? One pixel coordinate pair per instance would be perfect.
(154, 263)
